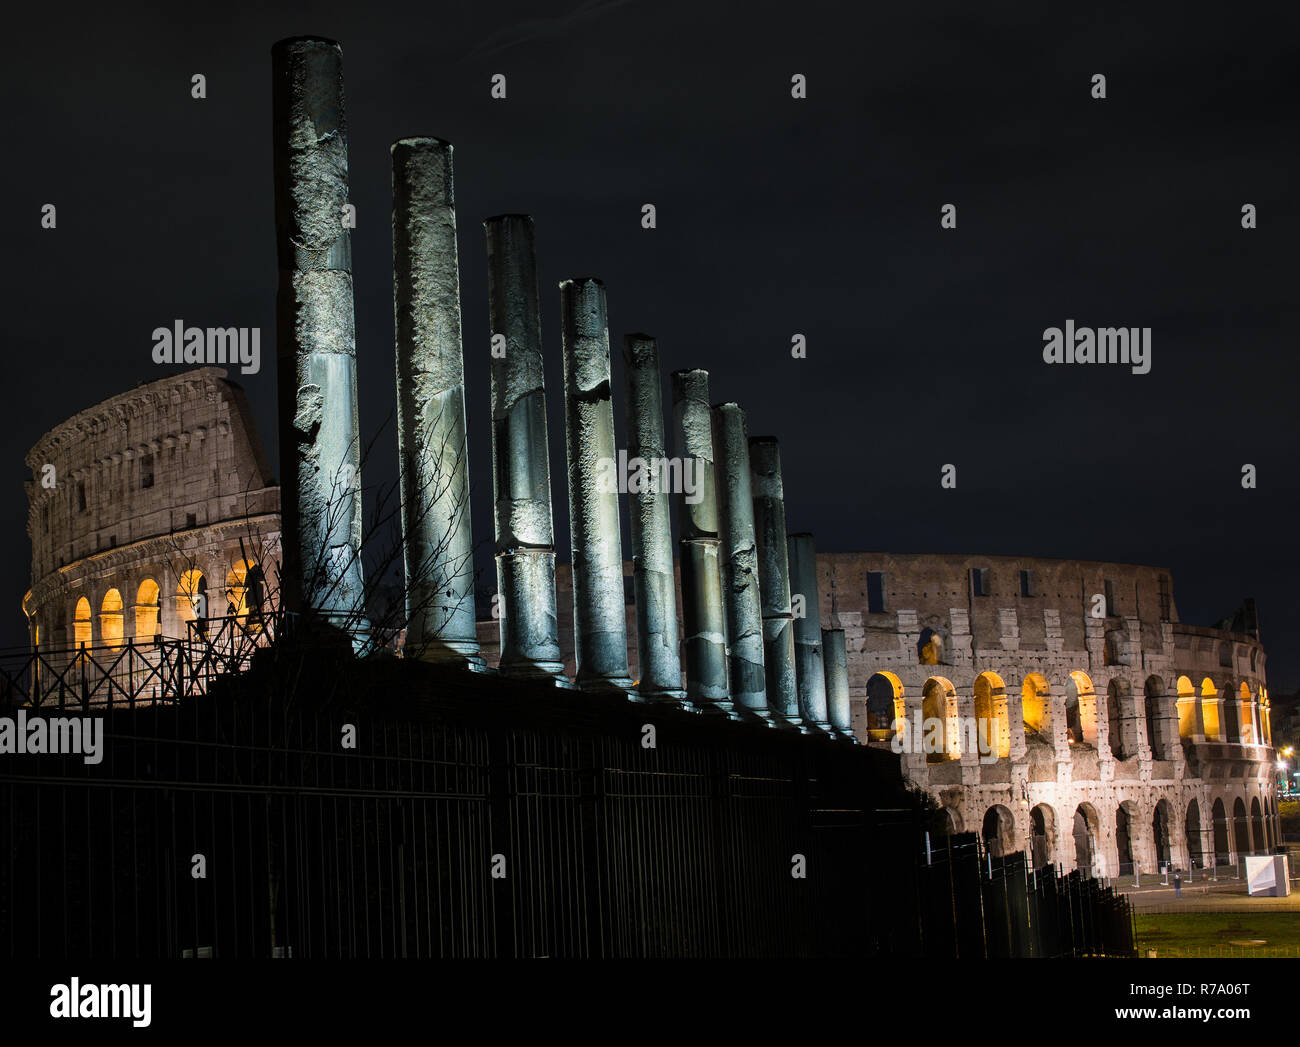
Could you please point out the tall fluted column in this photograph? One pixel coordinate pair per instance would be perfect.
(521, 469)
(773, 577)
(320, 450)
(437, 540)
(703, 617)
(808, 655)
(599, 615)
(651, 524)
(838, 707)
(740, 593)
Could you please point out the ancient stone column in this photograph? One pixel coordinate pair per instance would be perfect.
(599, 622)
(739, 563)
(651, 523)
(773, 577)
(703, 617)
(433, 456)
(521, 467)
(835, 651)
(320, 452)
(808, 629)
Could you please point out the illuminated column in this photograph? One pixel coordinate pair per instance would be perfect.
(773, 577)
(835, 650)
(437, 541)
(739, 561)
(521, 469)
(651, 525)
(320, 453)
(703, 616)
(808, 654)
(599, 622)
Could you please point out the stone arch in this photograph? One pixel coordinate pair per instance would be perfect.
(998, 831)
(112, 619)
(1120, 719)
(1086, 828)
(1192, 828)
(884, 705)
(1161, 834)
(1080, 708)
(1230, 711)
(1210, 711)
(933, 647)
(245, 592)
(1036, 705)
(939, 703)
(192, 600)
(1158, 720)
(991, 710)
(1126, 836)
(1186, 707)
(1259, 836)
(1042, 835)
(82, 626)
(1222, 841)
(1247, 714)
(1240, 827)
(146, 610)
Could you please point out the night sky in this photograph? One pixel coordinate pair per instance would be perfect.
(775, 216)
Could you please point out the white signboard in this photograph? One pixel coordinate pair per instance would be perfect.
(1268, 875)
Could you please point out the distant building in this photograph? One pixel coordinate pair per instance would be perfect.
(149, 511)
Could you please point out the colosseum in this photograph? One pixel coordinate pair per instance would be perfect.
(150, 515)
(1116, 738)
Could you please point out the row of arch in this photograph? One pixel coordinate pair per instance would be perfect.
(1207, 715)
(244, 595)
(1249, 830)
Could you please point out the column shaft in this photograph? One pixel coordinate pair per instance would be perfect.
(740, 592)
(320, 451)
(521, 469)
(651, 523)
(808, 629)
(838, 706)
(703, 617)
(433, 455)
(773, 577)
(599, 615)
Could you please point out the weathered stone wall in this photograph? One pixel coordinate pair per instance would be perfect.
(154, 487)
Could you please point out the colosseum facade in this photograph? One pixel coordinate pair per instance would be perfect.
(148, 512)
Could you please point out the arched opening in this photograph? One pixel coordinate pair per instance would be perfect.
(932, 648)
(112, 622)
(1124, 839)
(1248, 735)
(1160, 834)
(1036, 705)
(1192, 826)
(1240, 827)
(192, 602)
(146, 610)
(1231, 721)
(1222, 849)
(1120, 720)
(884, 705)
(244, 592)
(1042, 835)
(1210, 711)
(1085, 839)
(999, 831)
(1186, 708)
(1260, 838)
(1157, 719)
(993, 726)
(82, 630)
(1080, 709)
(938, 713)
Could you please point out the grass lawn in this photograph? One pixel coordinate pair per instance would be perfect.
(1206, 932)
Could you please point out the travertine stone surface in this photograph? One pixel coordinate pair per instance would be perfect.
(773, 576)
(808, 654)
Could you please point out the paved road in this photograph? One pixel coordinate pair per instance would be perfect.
(1226, 895)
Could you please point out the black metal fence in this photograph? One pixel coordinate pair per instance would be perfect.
(392, 810)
